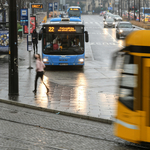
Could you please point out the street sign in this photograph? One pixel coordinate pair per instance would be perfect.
(55, 5)
(110, 8)
(50, 6)
(24, 17)
(36, 5)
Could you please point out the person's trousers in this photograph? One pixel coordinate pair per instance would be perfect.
(39, 74)
(35, 46)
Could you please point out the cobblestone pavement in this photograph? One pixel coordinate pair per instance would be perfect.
(27, 129)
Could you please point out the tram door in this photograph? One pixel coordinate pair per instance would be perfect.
(145, 120)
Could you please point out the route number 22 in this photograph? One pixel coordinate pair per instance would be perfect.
(51, 29)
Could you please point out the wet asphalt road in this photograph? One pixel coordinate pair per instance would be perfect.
(90, 91)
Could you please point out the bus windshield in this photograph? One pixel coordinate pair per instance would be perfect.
(63, 43)
(74, 13)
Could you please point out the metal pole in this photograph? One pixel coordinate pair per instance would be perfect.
(134, 9)
(13, 50)
(118, 7)
(139, 10)
(29, 34)
(144, 12)
(121, 8)
(128, 10)
(53, 9)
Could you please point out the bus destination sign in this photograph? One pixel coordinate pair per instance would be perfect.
(74, 8)
(61, 29)
(66, 29)
(37, 6)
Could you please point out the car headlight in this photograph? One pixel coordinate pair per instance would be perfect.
(113, 22)
(45, 59)
(81, 60)
(120, 31)
(105, 22)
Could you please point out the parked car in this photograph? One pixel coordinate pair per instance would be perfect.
(117, 18)
(123, 29)
(109, 22)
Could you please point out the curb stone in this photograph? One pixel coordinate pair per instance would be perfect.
(56, 111)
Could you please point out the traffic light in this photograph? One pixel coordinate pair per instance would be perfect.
(132, 8)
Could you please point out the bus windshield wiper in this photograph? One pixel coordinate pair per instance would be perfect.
(77, 51)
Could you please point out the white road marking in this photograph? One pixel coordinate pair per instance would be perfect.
(112, 37)
(2, 56)
(104, 43)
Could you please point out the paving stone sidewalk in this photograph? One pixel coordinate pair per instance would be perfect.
(27, 129)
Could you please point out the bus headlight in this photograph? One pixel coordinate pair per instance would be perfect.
(120, 31)
(81, 60)
(45, 59)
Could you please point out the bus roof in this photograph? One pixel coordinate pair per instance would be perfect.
(74, 7)
(65, 19)
(64, 23)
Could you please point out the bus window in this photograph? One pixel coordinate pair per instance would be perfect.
(128, 82)
(70, 44)
(74, 13)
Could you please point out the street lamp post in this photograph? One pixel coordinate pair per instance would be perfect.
(121, 8)
(139, 10)
(134, 9)
(13, 49)
(118, 7)
(128, 10)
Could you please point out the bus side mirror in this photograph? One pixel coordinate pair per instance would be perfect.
(86, 36)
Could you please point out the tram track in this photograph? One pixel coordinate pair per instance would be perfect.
(124, 144)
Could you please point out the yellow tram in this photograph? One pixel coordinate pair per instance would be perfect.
(132, 121)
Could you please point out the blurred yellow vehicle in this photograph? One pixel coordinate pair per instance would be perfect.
(132, 120)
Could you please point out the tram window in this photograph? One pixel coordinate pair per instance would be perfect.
(128, 82)
(130, 68)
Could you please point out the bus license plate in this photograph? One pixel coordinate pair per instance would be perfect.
(63, 64)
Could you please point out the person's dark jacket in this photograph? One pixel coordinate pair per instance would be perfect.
(35, 37)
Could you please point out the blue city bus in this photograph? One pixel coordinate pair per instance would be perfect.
(74, 11)
(63, 42)
(145, 10)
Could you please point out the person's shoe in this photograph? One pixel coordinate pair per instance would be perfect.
(34, 91)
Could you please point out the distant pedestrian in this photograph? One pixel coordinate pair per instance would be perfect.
(39, 72)
(35, 40)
